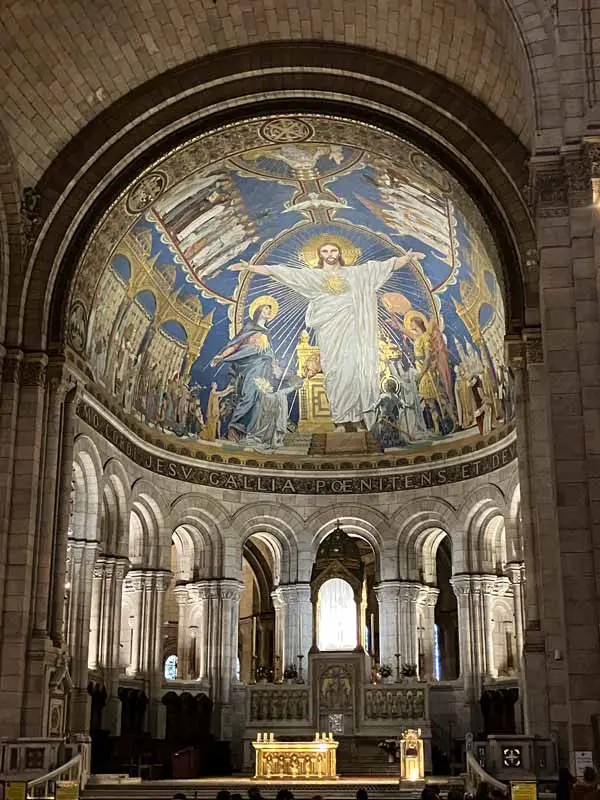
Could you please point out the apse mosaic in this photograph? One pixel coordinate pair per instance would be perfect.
(279, 285)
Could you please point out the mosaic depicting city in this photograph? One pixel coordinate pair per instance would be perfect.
(299, 290)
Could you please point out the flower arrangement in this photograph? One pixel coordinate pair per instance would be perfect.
(385, 671)
(391, 748)
(290, 673)
(409, 670)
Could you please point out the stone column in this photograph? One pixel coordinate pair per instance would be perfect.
(115, 569)
(408, 622)
(183, 596)
(134, 586)
(225, 637)
(461, 585)
(281, 637)
(569, 516)
(387, 594)
(157, 585)
(82, 560)
(293, 622)
(516, 574)
(23, 417)
(426, 602)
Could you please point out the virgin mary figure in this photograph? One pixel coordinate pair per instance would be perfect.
(252, 366)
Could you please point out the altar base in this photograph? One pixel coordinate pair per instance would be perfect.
(313, 760)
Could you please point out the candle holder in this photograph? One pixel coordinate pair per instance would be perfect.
(253, 669)
(397, 656)
(300, 678)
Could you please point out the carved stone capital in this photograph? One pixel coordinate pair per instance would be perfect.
(592, 147)
(230, 589)
(461, 585)
(33, 371)
(534, 346)
(549, 188)
(11, 366)
(514, 352)
(579, 180)
(516, 572)
(387, 592)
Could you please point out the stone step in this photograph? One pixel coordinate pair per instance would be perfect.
(378, 788)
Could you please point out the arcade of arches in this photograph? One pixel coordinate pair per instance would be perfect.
(299, 378)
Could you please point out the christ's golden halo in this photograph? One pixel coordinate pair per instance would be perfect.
(309, 253)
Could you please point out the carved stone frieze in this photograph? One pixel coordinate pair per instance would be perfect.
(270, 704)
(395, 703)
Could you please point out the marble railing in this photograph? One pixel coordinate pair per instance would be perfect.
(395, 701)
(268, 702)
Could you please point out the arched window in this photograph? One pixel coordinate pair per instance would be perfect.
(336, 624)
(171, 668)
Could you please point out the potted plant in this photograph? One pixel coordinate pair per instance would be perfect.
(385, 673)
(409, 670)
(290, 673)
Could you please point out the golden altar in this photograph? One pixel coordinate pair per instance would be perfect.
(312, 760)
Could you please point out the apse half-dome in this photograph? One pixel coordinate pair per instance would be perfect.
(311, 287)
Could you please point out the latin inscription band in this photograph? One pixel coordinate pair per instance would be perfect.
(238, 481)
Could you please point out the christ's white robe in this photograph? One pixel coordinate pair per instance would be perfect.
(346, 328)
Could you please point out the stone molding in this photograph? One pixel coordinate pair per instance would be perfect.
(147, 579)
(225, 589)
(475, 584)
(467, 467)
(111, 566)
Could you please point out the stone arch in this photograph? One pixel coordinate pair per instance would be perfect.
(514, 532)
(203, 519)
(511, 32)
(116, 507)
(483, 515)
(278, 527)
(151, 511)
(186, 553)
(87, 497)
(374, 97)
(421, 526)
(11, 232)
(368, 523)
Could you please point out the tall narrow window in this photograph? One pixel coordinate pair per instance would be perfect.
(337, 616)
(171, 668)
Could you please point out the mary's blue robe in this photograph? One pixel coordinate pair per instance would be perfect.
(252, 358)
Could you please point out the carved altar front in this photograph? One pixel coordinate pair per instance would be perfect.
(312, 760)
